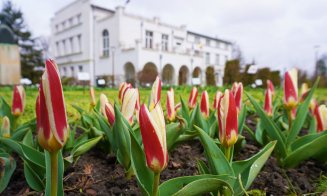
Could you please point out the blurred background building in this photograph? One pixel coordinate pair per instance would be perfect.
(92, 42)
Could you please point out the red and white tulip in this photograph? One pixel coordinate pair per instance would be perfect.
(153, 131)
(92, 97)
(237, 91)
(204, 104)
(216, 99)
(109, 113)
(321, 118)
(304, 91)
(227, 119)
(178, 107)
(129, 104)
(268, 102)
(103, 102)
(271, 87)
(192, 98)
(155, 93)
(122, 90)
(290, 89)
(51, 117)
(171, 112)
(18, 101)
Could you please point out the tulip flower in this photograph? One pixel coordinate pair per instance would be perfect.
(268, 102)
(122, 89)
(137, 105)
(321, 118)
(227, 120)
(204, 105)
(153, 131)
(5, 128)
(51, 119)
(178, 107)
(103, 102)
(290, 89)
(155, 93)
(237, 91)
(271, 87)
(129, 103)
(216, 99)
(92, 97)
(192, 98)
(18, 101)
(110, 113)
(171, 112)
(312, 106)
(304, 91)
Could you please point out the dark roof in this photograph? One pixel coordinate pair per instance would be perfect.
(7, 36)
(208, 37)
(102, 8)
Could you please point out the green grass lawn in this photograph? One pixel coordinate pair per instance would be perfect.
(80, 97)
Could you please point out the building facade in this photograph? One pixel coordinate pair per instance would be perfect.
(128, 47)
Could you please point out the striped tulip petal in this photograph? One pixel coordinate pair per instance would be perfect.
(192, 98)
(237, 91)
(321, 118)
(155, 93)
(271, 87)
(92, 97)
(153, 131)
(18, 101)
(216, 99)
(110, 113)
(122, 90)
(227, 119)
(178, 107)
(268, 102)
(103, 102)
(304, 91)
(171, 112)
(290, 89)
(129, 102)
(204, 105)
(5, 127)
(50, 109)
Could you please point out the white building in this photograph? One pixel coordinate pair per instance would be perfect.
(103, 42)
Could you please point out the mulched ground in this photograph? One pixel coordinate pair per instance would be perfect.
(98, 174)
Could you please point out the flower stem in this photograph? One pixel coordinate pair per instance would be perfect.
(289, 116)
(156, 182)
(54, 173)
(228, 153)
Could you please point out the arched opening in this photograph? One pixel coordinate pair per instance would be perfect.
(129, 73)
(148, 74)
(183, 75)
(168, 74)
(210, 76)
(197, 76)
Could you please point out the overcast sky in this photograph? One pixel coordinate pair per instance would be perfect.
(276, 33)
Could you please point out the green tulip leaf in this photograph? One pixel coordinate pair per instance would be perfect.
(8, 166)
(5, 110)
(84, 146)
(32, 178)
(173, 131)
(241, 119)
(202, 167)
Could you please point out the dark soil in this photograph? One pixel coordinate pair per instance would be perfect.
(96, 173)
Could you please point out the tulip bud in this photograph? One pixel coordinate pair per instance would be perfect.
(171, 112)
(321, 118)
(271, 87)
(122, 89)
(227, 119)
(268, 102)
(18, 101)
(5, 128)
(290, 89)
(178, 107)
(192, 98)
(50, 110)
(237, 91)
(129, 103)
(216, 99)
(204, 105)
(137, 105)
(110, 113)
(153, 131)
(92, 97)
(103, 102)
(155, 93)
(312, 106)
(304, 91)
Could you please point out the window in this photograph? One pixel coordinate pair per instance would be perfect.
(164, 42)
(64, 51)
(105, 44)
(80, 68)
(217, 59)
(71, 22)
(226, 58)
(64, 25)
(217, 44)
(79, 18)
(79, 42)
(207, 58)
(58, 48)
(71, 43)
(149, 39)
(57, 28)
(208, 42)
(65, 71)
(72, 70)
(197, 39)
